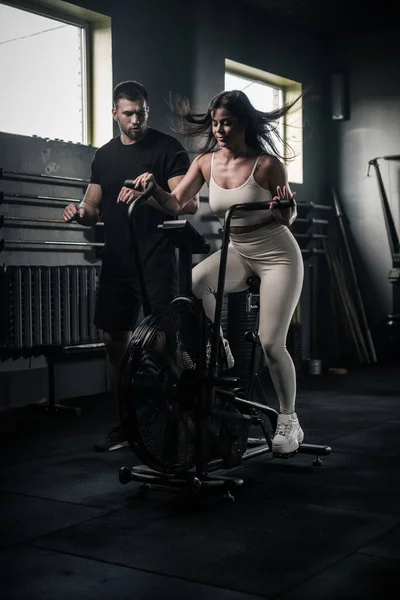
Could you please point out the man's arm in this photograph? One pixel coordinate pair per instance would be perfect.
(88, 211)
(183, 199)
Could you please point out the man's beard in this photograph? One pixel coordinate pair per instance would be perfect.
(138, 134)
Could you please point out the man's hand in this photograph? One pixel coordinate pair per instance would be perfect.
(72, 212)
(283, 215)
(127, 195)
(143, 181)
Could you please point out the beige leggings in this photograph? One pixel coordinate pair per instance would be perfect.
(272, 254)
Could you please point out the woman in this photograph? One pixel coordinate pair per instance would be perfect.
(247, 168)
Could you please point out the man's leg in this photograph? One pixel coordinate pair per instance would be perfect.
(116, 343)
(116, 313)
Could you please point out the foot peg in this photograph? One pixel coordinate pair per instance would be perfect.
(286, 455)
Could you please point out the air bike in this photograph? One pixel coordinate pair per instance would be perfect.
(183, 417)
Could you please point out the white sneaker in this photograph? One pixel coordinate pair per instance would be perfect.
(228, 352)
(288, 435)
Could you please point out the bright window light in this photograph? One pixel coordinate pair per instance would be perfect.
(43, 76)
(263, 97)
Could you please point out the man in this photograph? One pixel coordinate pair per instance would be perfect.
(137, 149)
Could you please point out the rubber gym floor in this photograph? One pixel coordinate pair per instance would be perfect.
(71, 530)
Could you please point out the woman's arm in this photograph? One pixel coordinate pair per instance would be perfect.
(192, 206)
(275, 172)
(176, 201)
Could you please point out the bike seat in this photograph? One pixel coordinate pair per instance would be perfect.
(254, 284)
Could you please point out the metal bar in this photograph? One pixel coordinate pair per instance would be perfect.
(340, 215)
(344, 300)
(8, 221)
(135, 242)
(311, 236)
(313, 310)
(79, 347)
(313, 205)
(53, 243)
(218, 463)
(27, 291)
(39, 178)
(311, 221)
(220, 292)
(37, 199)
(392, 157)
(185, 271)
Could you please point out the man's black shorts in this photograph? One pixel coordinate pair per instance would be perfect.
(119, 300)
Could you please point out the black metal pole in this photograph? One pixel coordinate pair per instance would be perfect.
(220, 291)
(135, 242)
(313, 321)
(185, 271)
(39, 178)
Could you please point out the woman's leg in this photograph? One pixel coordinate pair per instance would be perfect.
(280, 289)
(205, 281)
(205, 278)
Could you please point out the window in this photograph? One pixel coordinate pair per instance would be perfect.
(56, 71)
(43, 75)
(268, 92)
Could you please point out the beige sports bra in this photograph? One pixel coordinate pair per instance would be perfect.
(220, 199)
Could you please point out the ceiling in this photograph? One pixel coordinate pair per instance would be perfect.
(334, 15)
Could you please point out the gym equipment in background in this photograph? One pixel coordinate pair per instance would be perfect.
(393, 319)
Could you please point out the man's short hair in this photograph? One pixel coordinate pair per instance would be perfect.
(129, 90)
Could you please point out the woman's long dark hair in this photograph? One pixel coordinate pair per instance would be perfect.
(262, 131)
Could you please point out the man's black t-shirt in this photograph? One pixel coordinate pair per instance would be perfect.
(156, 153)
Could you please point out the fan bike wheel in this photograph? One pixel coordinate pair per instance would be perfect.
(159, 384)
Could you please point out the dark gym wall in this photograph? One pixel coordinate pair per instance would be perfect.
(152, 42)
(371, 63)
